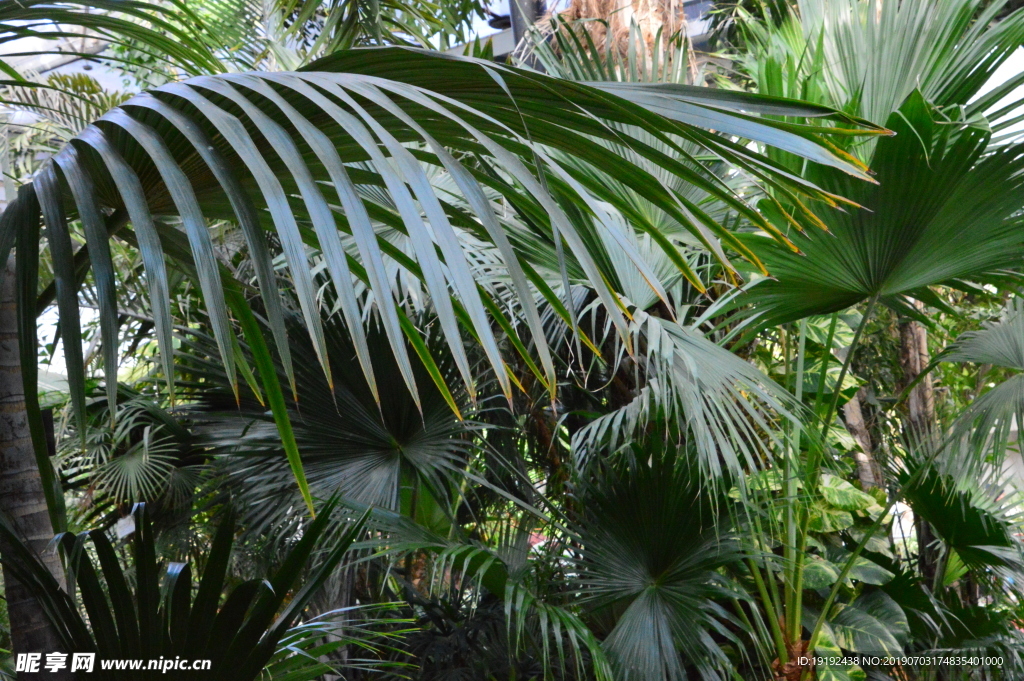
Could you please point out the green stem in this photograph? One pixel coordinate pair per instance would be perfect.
(811, 479)
(773, 590)
(846, 367)
(778, 636)
(822, 375)
(789, 544)
(793, 624)
(825, 361)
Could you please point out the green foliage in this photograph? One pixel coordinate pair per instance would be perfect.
(238, 634)
(653, 546)
(500, 315)
(913, 231)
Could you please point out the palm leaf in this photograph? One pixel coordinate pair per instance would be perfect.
(943, 212)
(287, 137)
(841, 53)
(166, 32)
(350, 446)
(653, 543)
(148, 621)
(988, 426)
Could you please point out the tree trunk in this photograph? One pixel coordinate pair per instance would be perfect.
(21, 493)
(914, 357)
(867, 468)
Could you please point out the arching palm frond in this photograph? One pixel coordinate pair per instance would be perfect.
(722, 405)
(976, 519)
(269, 151)
(725, 404)
(170, 33)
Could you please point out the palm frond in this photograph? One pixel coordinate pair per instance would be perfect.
(943, 212)
(168, 32)
(269, 151)
(841, 53)
(653, 544)
(987, 428)
(239, 635)
(350, 446)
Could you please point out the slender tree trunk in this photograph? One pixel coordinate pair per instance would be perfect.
(21, 493)
(867, 468)
(914, 357)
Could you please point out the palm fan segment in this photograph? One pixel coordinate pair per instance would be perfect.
(975, 517)
(990, 423)
(654, 542)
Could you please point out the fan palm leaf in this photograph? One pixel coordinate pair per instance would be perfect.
(239, 636)
(930, 221)
(841, 53)
(350, 446)
(944, 213)
(975, 517)
(988, 427)
(653, 544)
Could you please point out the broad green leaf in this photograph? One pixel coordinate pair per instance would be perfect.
(819, 573)
(843, 495)
(825, 518)
(871, 625)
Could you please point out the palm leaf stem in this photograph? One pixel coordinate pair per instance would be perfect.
(795, 595)
(778, 636)
(824, 364)
(827, 421)
(795, 611)
(868, 534)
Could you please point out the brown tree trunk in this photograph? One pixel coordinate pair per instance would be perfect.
(914, 357)
(867, 468)
(21, 493)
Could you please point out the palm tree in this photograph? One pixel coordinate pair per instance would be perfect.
(26, 502)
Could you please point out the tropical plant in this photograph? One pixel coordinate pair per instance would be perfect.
(578, 338)
(172, 621)
(425, 97)
(654, 547)
(897, 254)
(166, 32)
